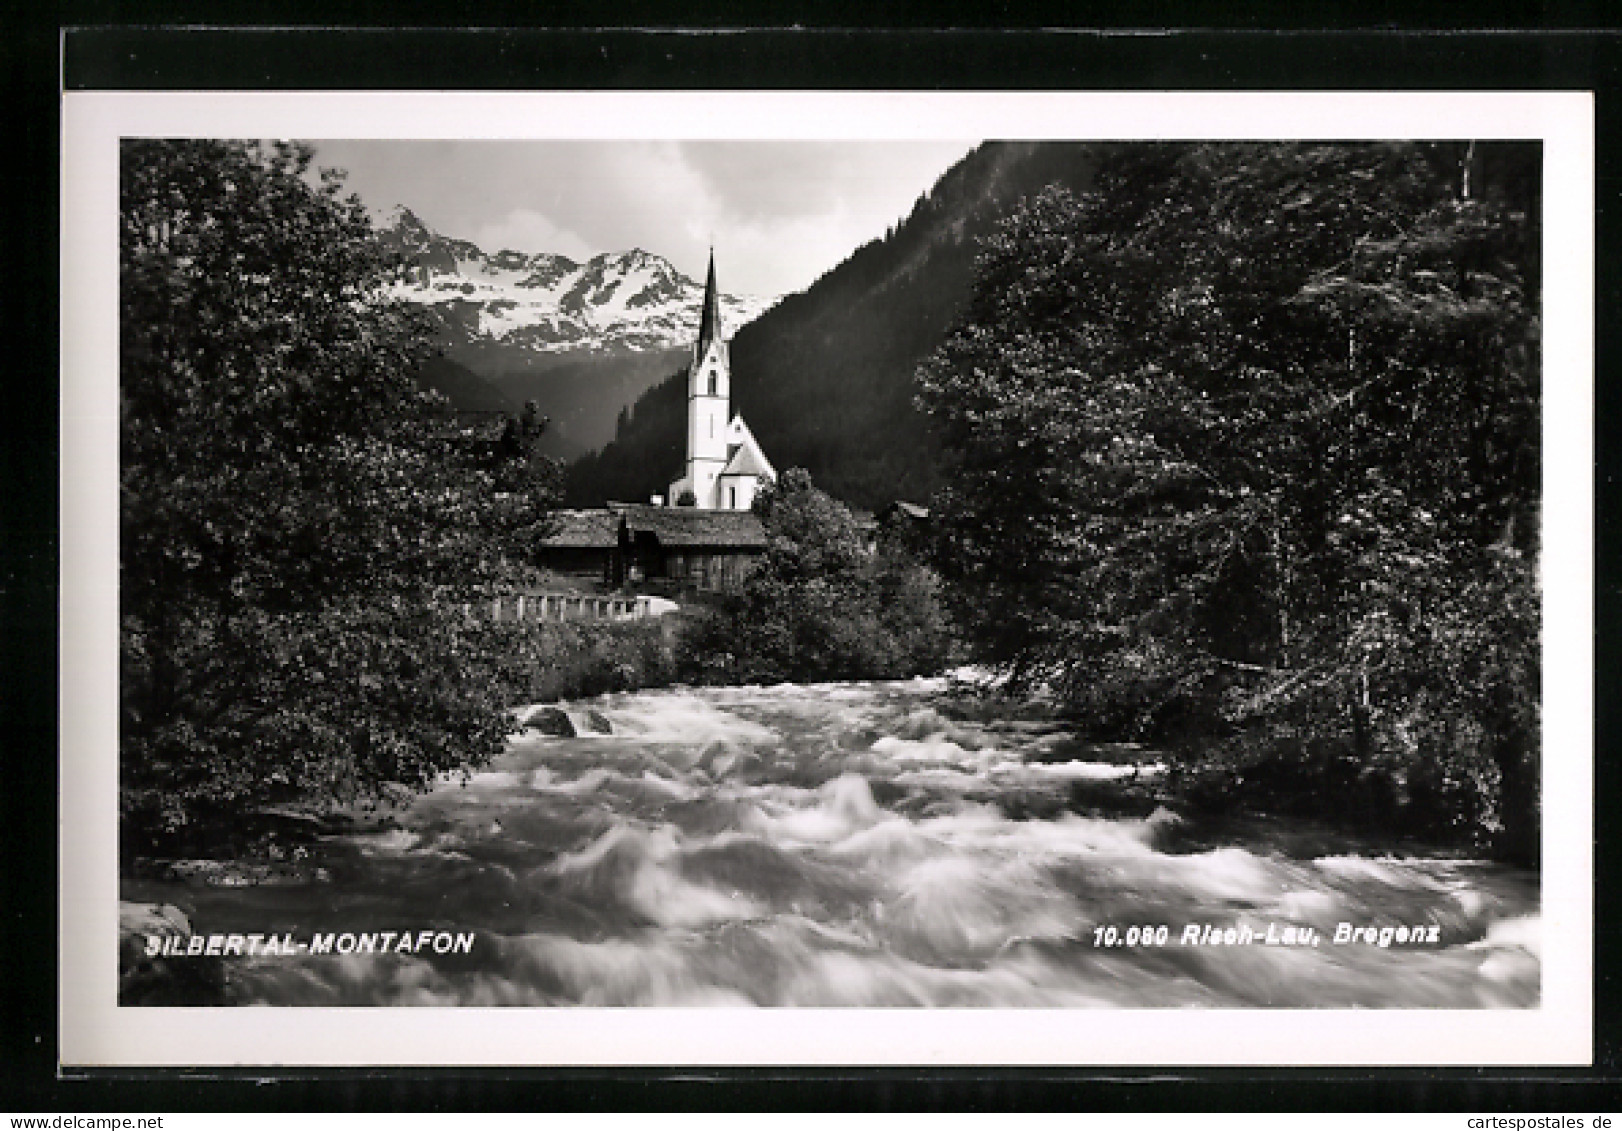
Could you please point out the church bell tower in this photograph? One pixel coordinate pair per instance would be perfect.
(708, 398)
(725, 466)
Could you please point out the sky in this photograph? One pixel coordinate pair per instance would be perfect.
(779, 213)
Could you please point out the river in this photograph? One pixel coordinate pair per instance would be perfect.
(853, 845)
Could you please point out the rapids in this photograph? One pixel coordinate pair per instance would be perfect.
(849, 844)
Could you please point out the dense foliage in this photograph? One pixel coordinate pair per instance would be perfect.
(550, 661)
(302, 534)
(823, 604)
(1243, 457)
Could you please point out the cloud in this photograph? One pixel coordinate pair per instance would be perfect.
(779, 214)
(524, 229)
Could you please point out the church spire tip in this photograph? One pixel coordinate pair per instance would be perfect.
(709, 322)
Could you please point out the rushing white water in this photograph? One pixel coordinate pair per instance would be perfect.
(851, 845)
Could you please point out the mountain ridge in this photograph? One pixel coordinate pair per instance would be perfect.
(544, 303)
(583, 339)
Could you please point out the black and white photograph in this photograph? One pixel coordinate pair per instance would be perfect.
(919, 573)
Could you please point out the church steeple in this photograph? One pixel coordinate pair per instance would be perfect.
(725, 466)
(709, 320)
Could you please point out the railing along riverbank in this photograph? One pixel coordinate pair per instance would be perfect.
(552, 606)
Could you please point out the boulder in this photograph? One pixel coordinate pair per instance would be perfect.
(559, 723)
(552, 721)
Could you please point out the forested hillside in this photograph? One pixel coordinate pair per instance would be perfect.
(825, 378)
(580, 393)
(465, 389)
(1243, 460)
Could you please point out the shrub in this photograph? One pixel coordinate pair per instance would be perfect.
(821, 605)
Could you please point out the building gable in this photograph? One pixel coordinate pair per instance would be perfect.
(745, 456)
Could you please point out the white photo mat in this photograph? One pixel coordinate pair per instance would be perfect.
(95, 1031)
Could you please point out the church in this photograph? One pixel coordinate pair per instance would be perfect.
(704, 534)
(725, 466)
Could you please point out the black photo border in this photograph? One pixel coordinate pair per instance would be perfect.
(713, 55)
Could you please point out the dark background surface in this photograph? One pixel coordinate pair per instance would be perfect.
(111, 53)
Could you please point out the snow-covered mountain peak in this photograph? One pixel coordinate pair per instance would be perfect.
(402, 223)
(547, 303)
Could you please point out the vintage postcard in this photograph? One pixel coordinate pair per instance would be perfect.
(826, 578)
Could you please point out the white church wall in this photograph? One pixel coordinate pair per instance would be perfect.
(737, 492)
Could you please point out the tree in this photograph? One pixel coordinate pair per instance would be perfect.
(301, 535)
(822, 604)
(1237, 438)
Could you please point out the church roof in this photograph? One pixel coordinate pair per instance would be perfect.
(746, 461)
(709, 320)
(745, 456)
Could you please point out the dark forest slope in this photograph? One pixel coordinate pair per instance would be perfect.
(825, 377)
(583, 394)
(465, 389)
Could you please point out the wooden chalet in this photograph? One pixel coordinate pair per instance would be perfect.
(636, 543)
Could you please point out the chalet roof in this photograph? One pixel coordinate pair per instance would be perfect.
(685, 527)
(693, 527)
